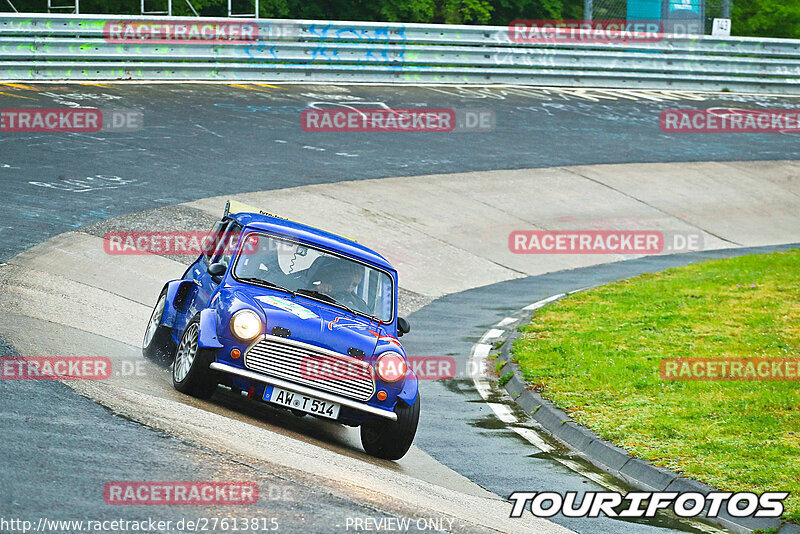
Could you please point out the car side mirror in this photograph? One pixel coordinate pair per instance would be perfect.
(402, 326)
(216, 270)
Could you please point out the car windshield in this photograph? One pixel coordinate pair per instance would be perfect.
(274, 262)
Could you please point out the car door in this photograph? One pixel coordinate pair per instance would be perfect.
(222, 239)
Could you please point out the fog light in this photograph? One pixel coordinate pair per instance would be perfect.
(235, 353)
(381, 395)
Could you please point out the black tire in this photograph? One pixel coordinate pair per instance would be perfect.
(391, 440)
(157, 344)
(190, 372)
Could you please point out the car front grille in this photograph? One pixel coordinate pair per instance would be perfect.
(311, 366)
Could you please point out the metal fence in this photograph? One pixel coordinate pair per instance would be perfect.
(701, 12)
(72, 47)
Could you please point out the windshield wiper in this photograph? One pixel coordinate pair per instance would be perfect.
(266, 283)
(327, 298)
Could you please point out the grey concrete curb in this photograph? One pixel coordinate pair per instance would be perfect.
(612, 459)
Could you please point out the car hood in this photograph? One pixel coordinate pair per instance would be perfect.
(318, 324)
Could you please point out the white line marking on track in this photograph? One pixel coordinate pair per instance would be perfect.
(491, 334)
(595, 477)
(477, 366)
(481, 351)
(484, 388)
(505, 322)
(581, 289)
(687, 94)
(209, 131)
(539, 304)
(533, 438)
(503, 413)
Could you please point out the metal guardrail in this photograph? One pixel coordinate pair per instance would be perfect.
(74, 47)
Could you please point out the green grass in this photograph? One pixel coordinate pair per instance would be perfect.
(505, 378)
(596, 355)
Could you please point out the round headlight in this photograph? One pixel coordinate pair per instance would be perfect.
(390, 366)
(245, 325)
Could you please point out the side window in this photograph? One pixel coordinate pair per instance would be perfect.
(212, 240)
(226, 247)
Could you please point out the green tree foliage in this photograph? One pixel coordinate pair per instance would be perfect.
(760, 18)
(766, 18)
(464, 11)
(499, 12)
(402, 10)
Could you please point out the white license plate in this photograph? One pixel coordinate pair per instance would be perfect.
(296, 401)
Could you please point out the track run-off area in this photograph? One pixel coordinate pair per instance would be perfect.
(439, 206)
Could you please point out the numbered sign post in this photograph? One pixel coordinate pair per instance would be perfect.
(721, 28)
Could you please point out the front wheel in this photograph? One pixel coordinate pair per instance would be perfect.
(190, 372)
(391, 440)
(157, 344)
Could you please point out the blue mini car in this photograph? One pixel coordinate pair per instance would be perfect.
(297, 317)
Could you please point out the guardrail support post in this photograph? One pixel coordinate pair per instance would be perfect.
(74, 8)
(232, 14)
(726, 8)
(196, 14)
(167, 12)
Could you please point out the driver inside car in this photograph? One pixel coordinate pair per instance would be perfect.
(340, 279)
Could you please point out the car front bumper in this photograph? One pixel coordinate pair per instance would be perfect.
(303, 390)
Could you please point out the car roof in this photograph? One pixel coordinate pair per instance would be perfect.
(275, 224)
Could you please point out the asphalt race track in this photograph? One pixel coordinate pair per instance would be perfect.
(202, 141)
(511, 464)
(207, 140)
